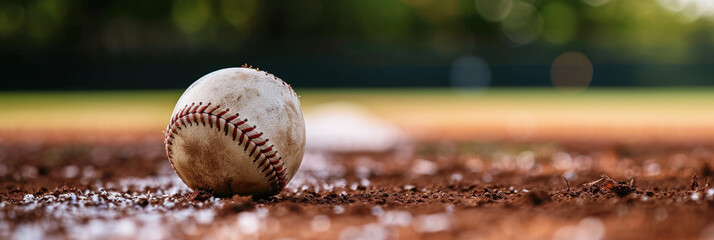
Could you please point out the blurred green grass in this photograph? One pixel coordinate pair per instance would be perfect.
(412, 109)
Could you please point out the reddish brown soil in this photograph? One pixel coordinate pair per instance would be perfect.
(436, 190)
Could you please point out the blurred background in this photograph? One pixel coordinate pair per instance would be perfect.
(438, 100)
(132, 44)
(629, 70)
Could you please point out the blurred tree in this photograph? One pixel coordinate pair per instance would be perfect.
(166, 43)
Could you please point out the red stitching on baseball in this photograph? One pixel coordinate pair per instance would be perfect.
(223, 113)
(242, 135)
(257, 136)
(186, 109)
(250, 129)
(204, 108)
(212, 109)
(231, 118)
(275, 177)
(252, 150)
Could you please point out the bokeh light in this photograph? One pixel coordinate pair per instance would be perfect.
(470, 73)
(571, 71)
(12, 16)
(494, 10)
(190, 16)
(523, 24)
(650, 34)
(689, 10)
(239, 12)
(44, 17)
(561, 22)
(387, 35)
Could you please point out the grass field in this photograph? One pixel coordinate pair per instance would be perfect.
(516, 114)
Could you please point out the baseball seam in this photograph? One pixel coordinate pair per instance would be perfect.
(270, 164)
(292, 92)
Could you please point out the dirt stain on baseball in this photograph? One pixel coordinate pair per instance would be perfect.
(289, 132)
(292, 111)
(200, 153)
(252, 91)
(203, 157)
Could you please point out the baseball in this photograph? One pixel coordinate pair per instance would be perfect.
(237, 131)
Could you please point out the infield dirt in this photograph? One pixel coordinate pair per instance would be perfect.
(427, 190)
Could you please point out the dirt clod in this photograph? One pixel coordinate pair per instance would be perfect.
(201, 195)
(695, 184)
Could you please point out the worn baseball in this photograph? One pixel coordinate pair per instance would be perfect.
(237, 131)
